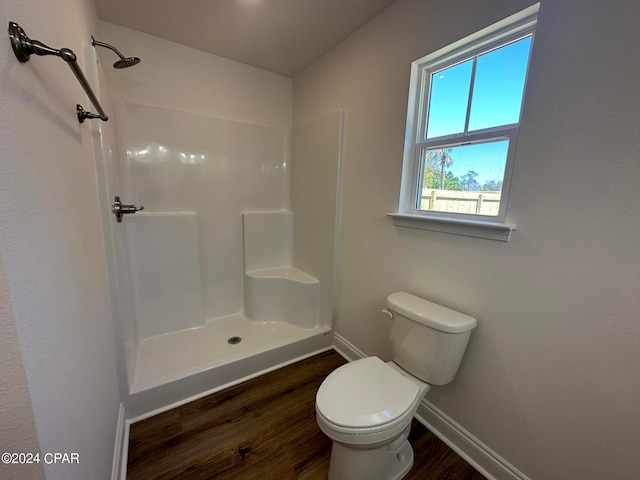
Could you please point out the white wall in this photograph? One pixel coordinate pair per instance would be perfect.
(17, 428)
(548, 381)
(182, 78)
(53, 250)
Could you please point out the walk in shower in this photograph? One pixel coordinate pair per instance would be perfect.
(229, 269)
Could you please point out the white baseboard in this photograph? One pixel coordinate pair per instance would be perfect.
(121, 447)
(476, 453)
(347, 349)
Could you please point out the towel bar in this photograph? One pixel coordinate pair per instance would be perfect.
(23, 47)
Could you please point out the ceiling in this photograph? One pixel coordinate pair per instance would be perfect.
(282, 36)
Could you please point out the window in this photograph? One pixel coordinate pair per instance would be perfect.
(462, 128)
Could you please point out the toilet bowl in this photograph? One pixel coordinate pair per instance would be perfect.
(366, 406)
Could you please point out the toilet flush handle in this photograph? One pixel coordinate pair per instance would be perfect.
(388, 313)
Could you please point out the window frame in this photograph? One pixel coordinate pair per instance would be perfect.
(509, 30)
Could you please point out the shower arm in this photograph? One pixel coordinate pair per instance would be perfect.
(95, 42)
(23, 47)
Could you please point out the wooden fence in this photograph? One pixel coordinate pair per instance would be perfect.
(479, 203)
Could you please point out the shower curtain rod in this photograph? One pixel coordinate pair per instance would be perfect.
(23, 47)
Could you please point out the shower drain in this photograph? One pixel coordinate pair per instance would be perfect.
(234, 340)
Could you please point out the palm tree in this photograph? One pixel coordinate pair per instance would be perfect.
(441, 156)
(446, 160)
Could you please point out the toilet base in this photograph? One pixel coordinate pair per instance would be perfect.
(400, 462)
(387, 462)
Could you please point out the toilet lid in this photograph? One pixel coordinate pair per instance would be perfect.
(365, 393)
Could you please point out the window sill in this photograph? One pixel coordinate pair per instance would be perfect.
(457, 226)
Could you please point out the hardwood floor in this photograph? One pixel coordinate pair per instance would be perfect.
(264, 429)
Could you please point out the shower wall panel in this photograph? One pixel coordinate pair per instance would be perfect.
(216, 168)
(315, 200)
(163, 243)
(108, 164)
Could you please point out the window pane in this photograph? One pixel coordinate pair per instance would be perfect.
(463, 179)
(449, 95)
(498, 86)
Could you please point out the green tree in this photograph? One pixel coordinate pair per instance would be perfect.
(437, 158)
(492, 186)
(429, 171)
(451, 182)
(468, 182)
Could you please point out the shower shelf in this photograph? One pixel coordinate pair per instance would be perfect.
(284, 272)
(274, 290)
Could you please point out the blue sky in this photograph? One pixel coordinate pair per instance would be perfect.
(486, 159)
(496, 100)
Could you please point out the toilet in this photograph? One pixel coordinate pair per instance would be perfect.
(366, 406)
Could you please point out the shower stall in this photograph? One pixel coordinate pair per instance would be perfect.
(229, 270)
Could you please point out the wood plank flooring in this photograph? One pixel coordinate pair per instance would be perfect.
(264, 429)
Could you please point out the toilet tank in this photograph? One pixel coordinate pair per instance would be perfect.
(427, 339)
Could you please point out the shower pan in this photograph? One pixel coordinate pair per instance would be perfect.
(206, 290)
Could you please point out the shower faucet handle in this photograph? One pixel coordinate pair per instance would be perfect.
(120, 210)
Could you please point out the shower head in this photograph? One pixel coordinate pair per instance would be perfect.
(124, 62)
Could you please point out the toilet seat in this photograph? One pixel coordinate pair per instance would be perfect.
(367, 399)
